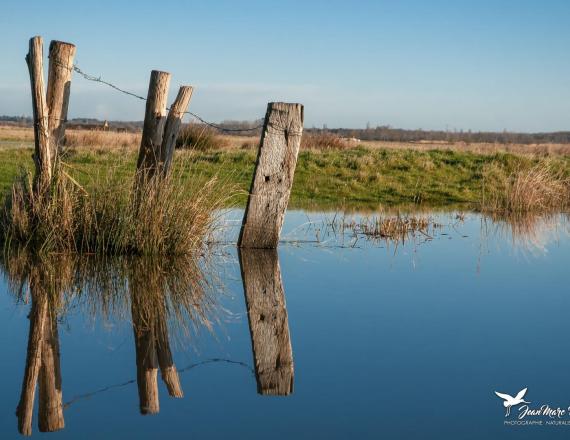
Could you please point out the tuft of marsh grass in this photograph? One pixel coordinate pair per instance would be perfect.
(167, 216)
(394, 229)
(540, 189)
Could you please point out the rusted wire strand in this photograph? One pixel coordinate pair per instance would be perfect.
(98, 79)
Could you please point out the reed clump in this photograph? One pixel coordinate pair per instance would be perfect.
(397, 228)
(167, 216)
(540, 189)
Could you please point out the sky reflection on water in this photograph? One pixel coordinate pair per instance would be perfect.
(350, 336)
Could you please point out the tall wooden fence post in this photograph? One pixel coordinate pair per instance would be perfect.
(173, 123)
(273, 176)
(42, 156)
(154, 121)
(61, 56)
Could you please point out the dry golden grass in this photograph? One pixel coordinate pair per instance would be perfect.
(323, 141)
(234, 142)
(539, 189)
(77, 138)
(16, 134)
(479, 148)
(98, 138)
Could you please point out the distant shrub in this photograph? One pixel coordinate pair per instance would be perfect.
(322, 141)
(200, 137)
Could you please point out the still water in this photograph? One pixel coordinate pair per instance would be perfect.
(336, 335)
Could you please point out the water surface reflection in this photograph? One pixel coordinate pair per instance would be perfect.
(161, 294)
(356, 310)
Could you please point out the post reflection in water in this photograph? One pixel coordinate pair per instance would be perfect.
(42, 359)
(157, 296)
(268, 322)
(149, 317)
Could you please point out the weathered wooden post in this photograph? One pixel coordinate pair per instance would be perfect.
(273, 176)
(268, 322)
(172, 127)
(42, 156)
(61, 56)
(154, 121)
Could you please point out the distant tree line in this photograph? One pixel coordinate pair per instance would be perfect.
(246, 126)
(390, 134)
(17, 121)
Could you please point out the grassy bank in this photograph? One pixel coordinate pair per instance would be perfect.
(354, 178)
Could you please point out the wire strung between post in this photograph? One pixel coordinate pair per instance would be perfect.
(98, 79)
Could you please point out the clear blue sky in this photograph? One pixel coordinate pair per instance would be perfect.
(481, 65)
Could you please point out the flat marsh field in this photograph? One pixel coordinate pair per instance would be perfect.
(364, 175)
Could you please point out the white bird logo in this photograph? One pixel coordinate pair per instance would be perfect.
(512, 401)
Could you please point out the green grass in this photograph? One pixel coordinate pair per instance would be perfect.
(353, 178)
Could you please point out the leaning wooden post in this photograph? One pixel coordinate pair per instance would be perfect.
(42, 156)
(59, 86)
(268, 322)
(172, 127)
(154, 121)
(273, 176)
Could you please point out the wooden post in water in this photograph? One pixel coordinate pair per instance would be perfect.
(59, 87)
(268, 322)
(154, 121)
(273, 176)
(172, 127)
(42, 156)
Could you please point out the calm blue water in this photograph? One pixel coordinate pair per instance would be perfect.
(406, 341)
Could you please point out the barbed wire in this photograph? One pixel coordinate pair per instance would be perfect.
(98, 79)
